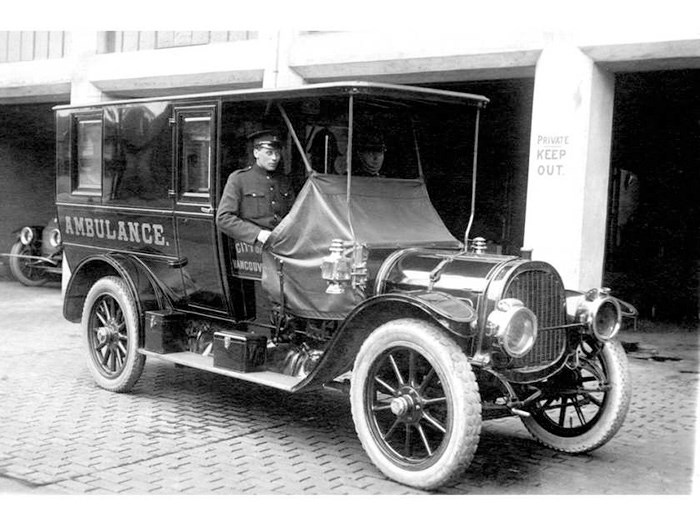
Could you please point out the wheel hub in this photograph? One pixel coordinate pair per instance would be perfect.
(401, 405)
(407, 406)
(106, 334)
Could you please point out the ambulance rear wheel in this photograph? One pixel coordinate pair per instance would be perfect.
(111, 331)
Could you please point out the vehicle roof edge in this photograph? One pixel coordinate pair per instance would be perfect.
(340, 86)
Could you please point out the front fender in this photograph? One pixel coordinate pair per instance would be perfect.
(454, 315)
(139, 280)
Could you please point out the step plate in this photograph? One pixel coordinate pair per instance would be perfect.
(201, 362)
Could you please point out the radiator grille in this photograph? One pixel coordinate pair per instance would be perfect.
(542, 292)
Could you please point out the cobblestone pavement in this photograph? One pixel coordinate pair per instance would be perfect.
(183, 431)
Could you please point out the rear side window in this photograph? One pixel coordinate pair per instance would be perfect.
(195, 154)
(87, 153)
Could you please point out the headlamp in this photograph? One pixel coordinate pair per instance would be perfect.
(599, 313)
(26, 236)
(55, 238)
(513, 326)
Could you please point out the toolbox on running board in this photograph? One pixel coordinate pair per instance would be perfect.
(165, 332)
(239, 351)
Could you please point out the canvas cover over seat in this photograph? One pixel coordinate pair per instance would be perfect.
(386, 214)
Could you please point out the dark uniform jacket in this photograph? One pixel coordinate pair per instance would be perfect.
(253, 199)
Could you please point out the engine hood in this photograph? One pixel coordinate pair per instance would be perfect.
(484, 280)
(466, 276)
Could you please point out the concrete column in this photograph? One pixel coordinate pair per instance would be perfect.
(277, 71)
(83, 48)
(569, 164)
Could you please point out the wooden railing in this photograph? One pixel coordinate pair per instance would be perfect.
(19, 46)
(124, 41)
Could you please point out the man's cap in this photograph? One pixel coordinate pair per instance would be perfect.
(268, 137)
(370, 140)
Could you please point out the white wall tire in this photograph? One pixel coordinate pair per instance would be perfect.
(590, 405)
(415, 403)
(111, 333)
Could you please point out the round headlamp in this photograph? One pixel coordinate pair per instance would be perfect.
(600, 314)
(55, 238)
(26, 236)
(513, 326)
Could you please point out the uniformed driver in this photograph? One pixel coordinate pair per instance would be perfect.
(256, 198)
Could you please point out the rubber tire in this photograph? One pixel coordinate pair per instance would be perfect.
(133, 367)
(613, 413)
(455, 372)
(17, 267)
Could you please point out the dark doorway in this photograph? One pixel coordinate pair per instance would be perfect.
(653, 237)
(504, 150)
(27, 168)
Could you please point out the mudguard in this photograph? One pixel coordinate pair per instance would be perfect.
(455, 315)
(138, 278)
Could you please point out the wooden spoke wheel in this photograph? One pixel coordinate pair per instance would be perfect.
(415, 403)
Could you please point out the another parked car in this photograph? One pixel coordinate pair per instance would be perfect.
(35, 258)
(361, 280)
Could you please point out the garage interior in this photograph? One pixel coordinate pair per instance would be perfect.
(27, 174)
(652, 253)
(504, 144)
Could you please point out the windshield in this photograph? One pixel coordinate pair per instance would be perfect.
(391, 138)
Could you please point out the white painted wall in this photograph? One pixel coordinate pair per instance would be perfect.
(569, 163)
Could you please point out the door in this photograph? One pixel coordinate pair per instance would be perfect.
(195, 169)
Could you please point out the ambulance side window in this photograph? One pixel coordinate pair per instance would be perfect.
(195, 155)
(87, 154)
(138, 154)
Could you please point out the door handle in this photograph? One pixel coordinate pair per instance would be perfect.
(206, 209)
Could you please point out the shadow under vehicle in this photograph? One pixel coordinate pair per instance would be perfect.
(36, 256)
(361, 287)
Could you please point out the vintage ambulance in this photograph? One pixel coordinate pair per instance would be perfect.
(363, 286)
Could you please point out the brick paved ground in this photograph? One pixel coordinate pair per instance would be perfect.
(183, 431)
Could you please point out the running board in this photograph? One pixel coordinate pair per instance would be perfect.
(202, 362)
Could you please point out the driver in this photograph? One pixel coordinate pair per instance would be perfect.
(256, 198)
